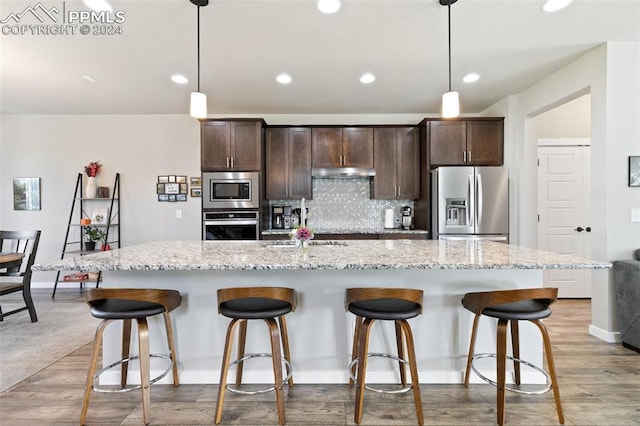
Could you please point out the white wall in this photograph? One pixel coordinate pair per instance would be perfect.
(140, 147)
(570, 120)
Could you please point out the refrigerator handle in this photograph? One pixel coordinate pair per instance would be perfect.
(479, 192)
(471, 198)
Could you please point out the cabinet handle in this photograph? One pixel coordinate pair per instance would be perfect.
(227, 162)
(464, 157)
(469, 156)
(341, 162)
(232, 166)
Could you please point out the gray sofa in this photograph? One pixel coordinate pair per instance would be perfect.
(626, 277)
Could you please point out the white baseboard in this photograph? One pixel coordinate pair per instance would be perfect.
(607, 336)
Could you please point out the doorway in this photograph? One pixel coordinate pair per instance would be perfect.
(564, 226)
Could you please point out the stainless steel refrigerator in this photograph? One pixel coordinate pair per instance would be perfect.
(470, 203)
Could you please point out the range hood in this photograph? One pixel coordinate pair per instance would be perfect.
(342, 172)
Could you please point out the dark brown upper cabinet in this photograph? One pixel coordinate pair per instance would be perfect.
(288, 163)
(231, 145)
(396, 158)
(342, 147)
(475, 142)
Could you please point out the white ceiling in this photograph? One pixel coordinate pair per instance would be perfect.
(245, 43)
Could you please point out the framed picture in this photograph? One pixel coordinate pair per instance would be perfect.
(172, 188)
(196, 192)
(634, 170)
(196, 181)
(26, 193)
(100, 216)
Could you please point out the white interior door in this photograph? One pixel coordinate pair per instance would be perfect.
(564, 221)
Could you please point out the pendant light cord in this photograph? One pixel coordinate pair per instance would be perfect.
(199, 52)
(449, 13)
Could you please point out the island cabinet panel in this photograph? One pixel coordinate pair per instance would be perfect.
(342, 147)
(472, 142)
(397, 163)
(288, 163)
(231, 145)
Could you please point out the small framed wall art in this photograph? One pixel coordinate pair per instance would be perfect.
(172, 188)
(634, 170)
(196, 186)
(26, 193)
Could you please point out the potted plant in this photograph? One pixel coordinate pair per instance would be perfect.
(93, 235)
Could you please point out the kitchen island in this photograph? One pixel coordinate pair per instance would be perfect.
(320, 331)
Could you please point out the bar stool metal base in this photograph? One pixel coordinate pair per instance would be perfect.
(96, 376)
(545, 389)
(380, 355)
(285, 361)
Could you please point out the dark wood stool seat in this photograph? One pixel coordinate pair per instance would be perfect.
(269, 304)
(509, 307)
(129, 304)
(391, 304)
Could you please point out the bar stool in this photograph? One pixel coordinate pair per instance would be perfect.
(511, 306)
(269, 304)
(391, 304)
(129, 304)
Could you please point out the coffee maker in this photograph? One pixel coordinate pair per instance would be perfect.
(407, 217)
(281, 216)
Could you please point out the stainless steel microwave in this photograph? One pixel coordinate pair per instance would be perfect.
(231, 190)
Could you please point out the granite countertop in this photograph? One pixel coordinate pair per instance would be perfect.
(329, 254)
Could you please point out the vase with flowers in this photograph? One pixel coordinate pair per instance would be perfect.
(301, 236)
(92, 170)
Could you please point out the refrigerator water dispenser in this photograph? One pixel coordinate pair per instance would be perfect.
(456, 212)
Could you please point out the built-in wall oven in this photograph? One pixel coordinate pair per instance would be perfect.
(230, 190)
(231, 225)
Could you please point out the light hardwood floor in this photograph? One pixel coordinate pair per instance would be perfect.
(599, 385)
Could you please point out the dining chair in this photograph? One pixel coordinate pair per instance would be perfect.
(15, 275)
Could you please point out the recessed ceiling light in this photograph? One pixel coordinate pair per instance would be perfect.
(89, 78)
(471, 78)
(98, 5)
(329, 6)
(283, 79)
(179, 79)
(555, 5)
(367, 78)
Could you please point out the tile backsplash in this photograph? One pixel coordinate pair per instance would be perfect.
(346, 204)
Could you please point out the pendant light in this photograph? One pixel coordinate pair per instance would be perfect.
(450, 100)
(199, 99)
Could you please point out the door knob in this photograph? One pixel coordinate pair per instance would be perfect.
(579, 229)
(588, 229)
